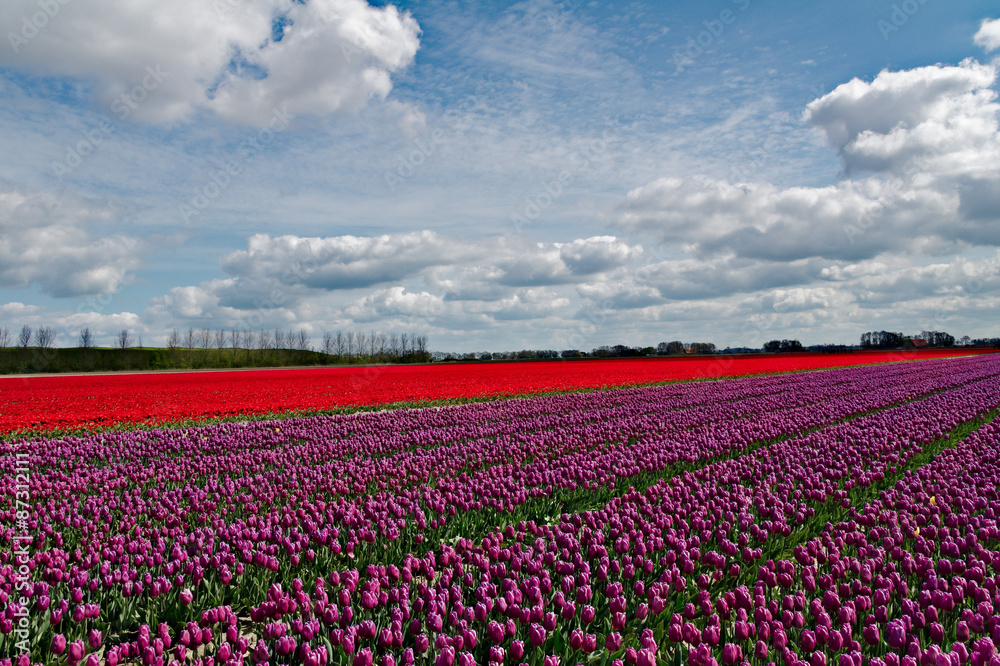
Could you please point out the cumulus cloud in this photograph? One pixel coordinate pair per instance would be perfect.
(944, 115)
(421, 277)
(988, 35)
(240, 60)
(52, 241)
(394, 302)
(295, 265)
(929, 139)
(561, 263)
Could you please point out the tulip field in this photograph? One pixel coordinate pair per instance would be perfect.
(56, 402)
(844, 516)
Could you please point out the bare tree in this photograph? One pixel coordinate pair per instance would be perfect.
(338, 343)
(87, 338)
(394, 345)
(189, 339)
(220, 339)
(174, 341)
(380, 344)
(327, 343)
(290, 338)
(124, 339)
(421, 344)
(4, 337)
(205, 338)
(304, 341)
(234, 339)
(24, 337)
(279, 338)
(45, 337)
(404, 344)
(247, 337)
(349, 344)
(263, 339)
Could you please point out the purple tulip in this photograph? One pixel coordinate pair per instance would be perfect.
(731, 654)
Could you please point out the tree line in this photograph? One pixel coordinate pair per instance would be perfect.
(350, 346)
(895, 340)
(34, 350)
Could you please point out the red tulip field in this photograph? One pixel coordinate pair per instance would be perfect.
(846, 516)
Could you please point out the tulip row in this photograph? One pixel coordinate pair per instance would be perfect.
(206, 533)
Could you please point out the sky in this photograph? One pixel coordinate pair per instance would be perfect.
(497, 176)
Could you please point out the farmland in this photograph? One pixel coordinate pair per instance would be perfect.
(87, 401)
(847, 515)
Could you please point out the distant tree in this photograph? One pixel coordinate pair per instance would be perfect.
(234, 339)
(938, 338)
(964, 341)
(303, 341)
(189, 339)
(279, 339)
(24, 337)
(328, 343)
(349, 344)
(248, 339)
(205, 338)
(87, 338)
(220, 339)
(174, 340)
(673, 348)
(338, 343)
(882, 340)
(703, 347)
(124, 339)
(45, 337)
(783, 346)
(4, 337)
(263, 339)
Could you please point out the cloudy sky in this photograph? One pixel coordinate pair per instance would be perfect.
(544, 174)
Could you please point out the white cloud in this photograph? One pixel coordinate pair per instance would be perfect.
(53, 241)
(935, 114)
(221, 55)
(297, 265)
(930, 136)
(988, 35)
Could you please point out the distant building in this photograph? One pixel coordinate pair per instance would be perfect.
(919, 342)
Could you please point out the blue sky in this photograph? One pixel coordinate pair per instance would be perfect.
(501, 175)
